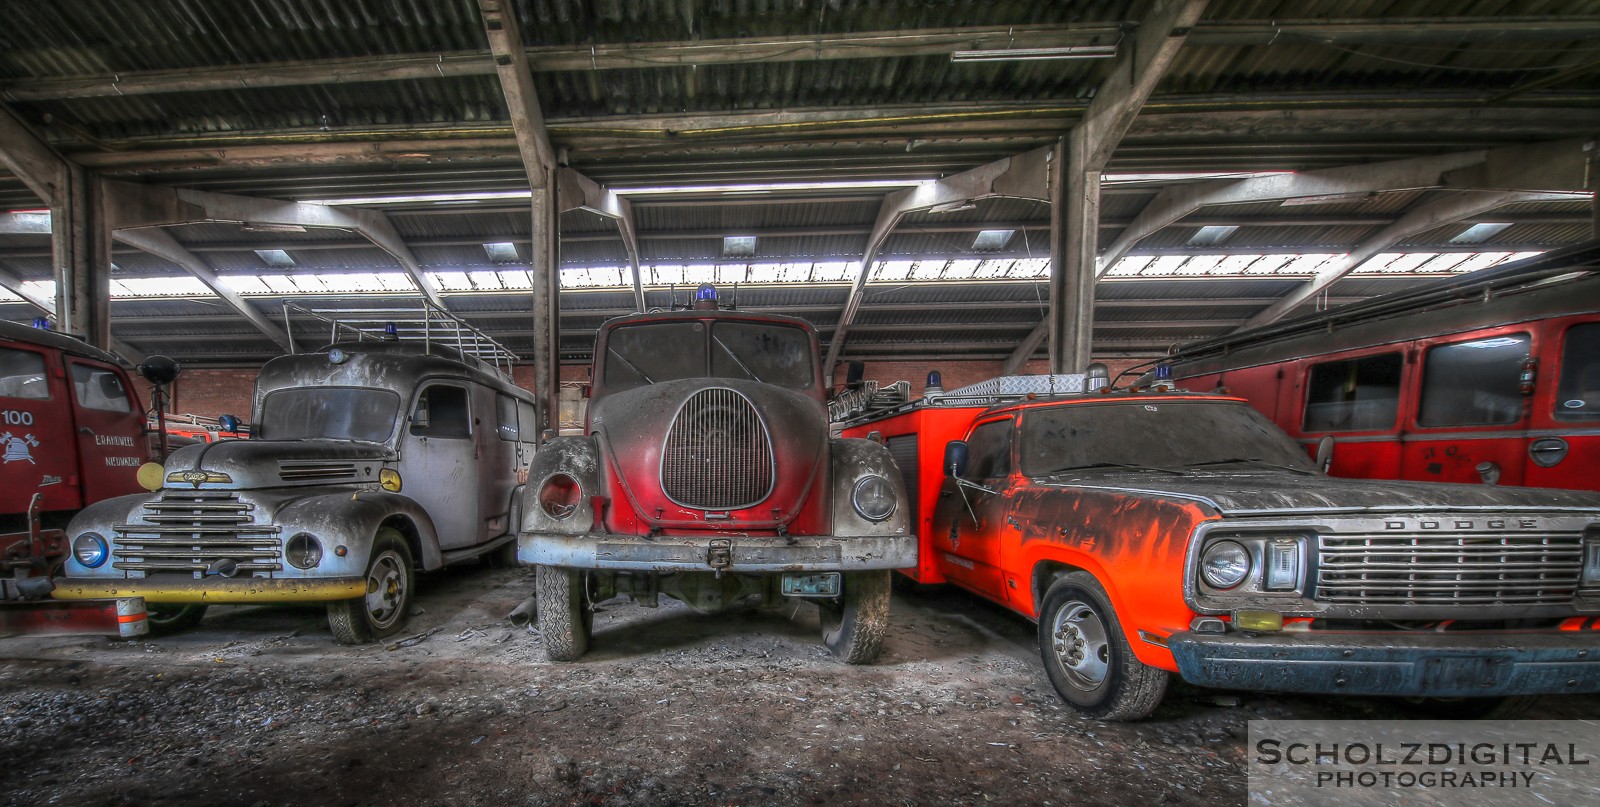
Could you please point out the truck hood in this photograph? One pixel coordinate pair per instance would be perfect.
(1265, 491)
(243, 464)
(648, 429)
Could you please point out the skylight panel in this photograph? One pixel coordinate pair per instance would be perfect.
(893, 270)
(485, 280)
(501, 251)
(738, 246)
(992, 240)
(1212, 235)
(516, 279)
(280, 284)
(1199, 265)
(1130, 266)
(963, 269)
(1306, 264)
(835, 271)
(1024, 268)
(276, 258)
(451, 281)
(928, 270)
(1479, 233)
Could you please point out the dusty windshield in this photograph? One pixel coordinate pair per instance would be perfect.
(653, 352)
(338, 413)
(1173, 435)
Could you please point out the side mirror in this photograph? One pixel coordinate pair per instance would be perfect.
(159, 370)
(955, 458)
(1325, 453)
(229, 423)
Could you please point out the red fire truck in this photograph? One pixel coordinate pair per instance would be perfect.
(1491, 377)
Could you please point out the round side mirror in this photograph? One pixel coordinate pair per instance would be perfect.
(159, 370)
(1325, 453)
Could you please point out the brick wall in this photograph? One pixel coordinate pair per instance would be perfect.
(956, 373)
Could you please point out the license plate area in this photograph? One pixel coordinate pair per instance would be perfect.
(818, 584)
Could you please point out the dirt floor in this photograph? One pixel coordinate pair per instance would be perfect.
(259, 706)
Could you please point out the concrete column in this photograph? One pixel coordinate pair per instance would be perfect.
(80, 246)
(546, 269)
(1074, 240)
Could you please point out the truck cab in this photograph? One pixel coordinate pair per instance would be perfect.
(706, 473)
(368, 461)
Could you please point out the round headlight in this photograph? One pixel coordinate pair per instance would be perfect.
(303, 551)
(336, 356)
(560, 495)
(873, 498)
(90, 550)
(1225, 564)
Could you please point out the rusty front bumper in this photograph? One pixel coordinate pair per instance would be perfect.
(215, 590)
(1403, 664)
(729, 553)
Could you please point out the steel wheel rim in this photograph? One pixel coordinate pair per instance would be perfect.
(1080, 645)
(386, 589)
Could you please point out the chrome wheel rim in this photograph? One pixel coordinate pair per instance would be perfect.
(1080, 646)
(386, 589)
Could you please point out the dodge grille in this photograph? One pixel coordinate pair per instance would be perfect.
(718, 455)
(189, 531)
(1446, 569)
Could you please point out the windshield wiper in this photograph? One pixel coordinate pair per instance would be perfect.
(1092, 465)
(1251, 460)
(735, 357)
(631, 365)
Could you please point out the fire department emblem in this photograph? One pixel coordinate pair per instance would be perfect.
(19, 448)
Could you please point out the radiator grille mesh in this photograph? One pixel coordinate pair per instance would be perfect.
(718, 455)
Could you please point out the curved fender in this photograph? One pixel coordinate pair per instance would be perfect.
(577, 457)
(101, 517)
(354, 519)
(852, 459)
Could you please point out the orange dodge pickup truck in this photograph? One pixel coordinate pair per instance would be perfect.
(1150, 533)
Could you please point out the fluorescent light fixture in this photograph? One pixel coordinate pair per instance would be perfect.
(1328, 199)
(1212, 235)
(478, 196)
(1181, 176)
(501, 251)
(275, 258)
(738, 246)
(836, 185)
(1478, 233)
(1035, 54)
(991, 240)
(254, 227)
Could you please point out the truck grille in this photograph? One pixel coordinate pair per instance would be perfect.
(718, 455)
(191, 530)
(317, 471)
(1446, 569)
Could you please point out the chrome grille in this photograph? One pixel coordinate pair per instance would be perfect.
(190, 530)
(1449, 569)
(317, 471)
(718, 455)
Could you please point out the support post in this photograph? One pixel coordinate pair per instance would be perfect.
(1074, 219)
(545, 268)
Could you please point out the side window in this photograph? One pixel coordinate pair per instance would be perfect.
(99, 388)
(989, 450)
(1473, 383)
(442, 412)
(1578, 395)
(506, 407)
(22, 375)
(527, 421)
(1353, 395)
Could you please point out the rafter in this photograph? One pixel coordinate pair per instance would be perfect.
(580, 192)
(161, 244)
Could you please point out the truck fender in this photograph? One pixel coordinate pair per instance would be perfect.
(577, 458)
(353, 519)
(853, 459)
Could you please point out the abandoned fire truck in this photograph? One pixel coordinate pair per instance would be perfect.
(1161, 532)
(706, 473)
(368, 461)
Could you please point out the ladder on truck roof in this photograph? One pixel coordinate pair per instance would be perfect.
(871, 403)
(427, 324)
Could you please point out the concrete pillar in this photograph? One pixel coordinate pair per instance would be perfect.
(546, 269)
(1074, 231)
(80, 245)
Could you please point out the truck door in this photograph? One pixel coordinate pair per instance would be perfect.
(1470, 410)
(501, 457)
(1565, 451)
(969, 523)
(110, 426)
(438, 463)
(37, 453)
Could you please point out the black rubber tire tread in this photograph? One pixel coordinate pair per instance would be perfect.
(1510, 707)
(1134, 689)
(348, 619)
(165, 619)
(565, 620)
(854, 630)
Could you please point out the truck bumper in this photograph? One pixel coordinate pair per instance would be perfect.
(123, 617)
(214, 590)
(1402, 664)
(727, 553)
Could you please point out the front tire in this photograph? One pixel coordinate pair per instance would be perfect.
(566, 618)
(853, 626)
(391, 576)
(165, 619)
(1087, 657)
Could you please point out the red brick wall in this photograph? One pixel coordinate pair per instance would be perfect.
(210, 393)
(956, 373)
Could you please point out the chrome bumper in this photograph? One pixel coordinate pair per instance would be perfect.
(728, 553)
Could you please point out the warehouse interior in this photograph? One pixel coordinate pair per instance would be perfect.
(981, 188)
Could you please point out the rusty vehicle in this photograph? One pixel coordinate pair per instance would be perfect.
(706, 473)
(1160, 532)
(369, 460)
(1492, 377)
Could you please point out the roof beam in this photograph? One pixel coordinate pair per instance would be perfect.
(1022, 176)
(516, 81)
(1419, 219)
(27, 157)
(161, 244)
(580, 192)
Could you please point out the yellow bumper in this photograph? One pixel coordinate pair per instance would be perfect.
(215, 590)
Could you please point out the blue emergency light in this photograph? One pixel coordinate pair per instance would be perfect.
(42, 323)
(391, 332)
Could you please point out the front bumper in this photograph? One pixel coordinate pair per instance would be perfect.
(1402, 664)
(214, 590)
(727, 553)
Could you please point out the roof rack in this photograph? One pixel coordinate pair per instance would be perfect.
(870, 402)
(427, 324)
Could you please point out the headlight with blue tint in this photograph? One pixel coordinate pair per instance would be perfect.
(90, 550)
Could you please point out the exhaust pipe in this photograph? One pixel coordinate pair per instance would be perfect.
(523, 615)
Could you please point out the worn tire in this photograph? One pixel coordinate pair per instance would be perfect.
(503, 556)
(1502, 708)
(165, 619)
(566, 615)
(853, 627)
(391, 577)
(1087, 657)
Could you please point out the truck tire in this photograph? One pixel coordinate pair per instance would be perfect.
(1087, 657)
(391, 575)
(565, 616)
(853, 626)
(165, 619)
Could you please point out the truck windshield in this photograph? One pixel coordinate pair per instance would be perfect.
(337, 413)
(653, 352)
(1158, 434)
